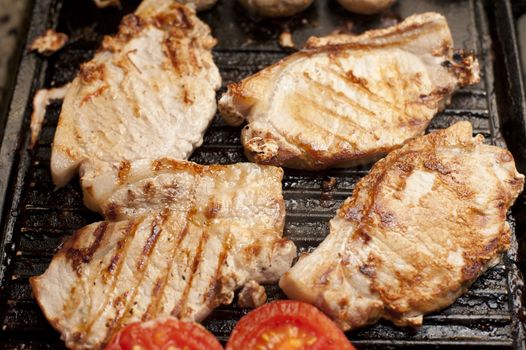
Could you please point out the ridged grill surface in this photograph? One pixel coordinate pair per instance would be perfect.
(42, 217)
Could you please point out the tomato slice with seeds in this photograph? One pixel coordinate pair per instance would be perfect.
(287, 325)
(164, 334)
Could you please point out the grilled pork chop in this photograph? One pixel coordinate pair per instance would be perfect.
(345, 99)
(197, 234)
(149, 92)
(417, 231)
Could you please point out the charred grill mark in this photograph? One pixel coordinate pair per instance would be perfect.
(111, 211)
(144, 259)
(149, 189)
(130, 27)
(153, 308)
(214, 298)
(155, 232)
(212, 209)
(124, 171)
(116, 264)
(173, 20)
(80, 256)
(181, 309)
(171, 45)
(368, 270)
(194, 59)
(94, 94)
(91, 72)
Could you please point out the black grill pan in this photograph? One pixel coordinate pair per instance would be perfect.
(36, 218)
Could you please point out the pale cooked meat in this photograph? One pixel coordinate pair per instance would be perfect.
(50, 42)
(42, 99)
(197, 234)
(148, 92)
(427, 221)
(346, 100)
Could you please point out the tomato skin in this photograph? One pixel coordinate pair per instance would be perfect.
(287, 324)
(162, 334)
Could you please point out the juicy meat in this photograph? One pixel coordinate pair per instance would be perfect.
(149, 92)
(198, 234)
(416, 233)
(346, 99)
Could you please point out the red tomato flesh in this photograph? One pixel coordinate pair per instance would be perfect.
(164, 334)
(287, 325)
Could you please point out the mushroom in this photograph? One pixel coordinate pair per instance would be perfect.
(276, 8)
(366, 7)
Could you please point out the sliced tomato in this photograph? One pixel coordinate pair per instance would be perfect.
(287, 325)
(164, 334)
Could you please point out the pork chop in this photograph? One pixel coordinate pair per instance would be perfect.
(419, 229)
(346, 100)
(198, 234)
(149, 92)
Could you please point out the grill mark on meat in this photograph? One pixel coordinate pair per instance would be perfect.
(80, 256)
(153, 308)
(181, 308)
(116, 264)
(349, 122)
(93, 94)
(344, 76)
(212, 209)
(111, 211)
(173, 20)
(329, 90)
(129, 28)
(141, 265)
(124, 171)
(155, 233)
(216, 283)
(90, 72)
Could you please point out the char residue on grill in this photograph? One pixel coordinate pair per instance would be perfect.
(41, 217)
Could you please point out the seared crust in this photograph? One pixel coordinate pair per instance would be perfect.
(148, 92)
(179, 239)
(345, 100)
(416, 233)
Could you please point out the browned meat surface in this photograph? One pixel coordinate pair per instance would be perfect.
(196, 235)
(344, 99)
(419, 229)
